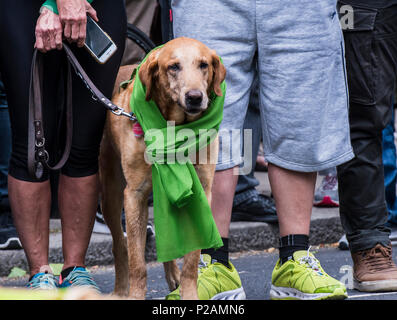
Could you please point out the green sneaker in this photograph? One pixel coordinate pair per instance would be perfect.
(303, 278)
(215, 282)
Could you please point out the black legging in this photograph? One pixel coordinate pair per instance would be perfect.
(17, 35)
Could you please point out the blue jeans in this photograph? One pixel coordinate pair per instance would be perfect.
(390, 169)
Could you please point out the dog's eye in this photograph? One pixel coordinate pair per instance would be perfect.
(174, 67)
(203, 65)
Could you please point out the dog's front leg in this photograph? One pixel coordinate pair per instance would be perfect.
(135, 204)
(172, 274)
(189, 275)
(111, 178)
(205, 172)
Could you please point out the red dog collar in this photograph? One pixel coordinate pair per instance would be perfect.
(137, 129)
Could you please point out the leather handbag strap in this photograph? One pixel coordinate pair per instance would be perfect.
(37, 154)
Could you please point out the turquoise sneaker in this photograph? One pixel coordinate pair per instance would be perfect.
(42, 281)
(78, 277)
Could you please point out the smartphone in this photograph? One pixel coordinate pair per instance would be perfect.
(98, 43)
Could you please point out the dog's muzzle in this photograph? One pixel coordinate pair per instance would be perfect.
(193, 101)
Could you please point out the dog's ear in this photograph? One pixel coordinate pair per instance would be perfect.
(219, 74)
(147, 73)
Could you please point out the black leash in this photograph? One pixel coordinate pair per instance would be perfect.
(97, 95)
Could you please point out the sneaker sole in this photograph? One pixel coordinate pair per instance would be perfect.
(375, 286)
(284, 293)
(236, 294)
(11, 244)
(326, 202)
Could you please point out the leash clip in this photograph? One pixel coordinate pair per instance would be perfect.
(117, 111)
(120, 112)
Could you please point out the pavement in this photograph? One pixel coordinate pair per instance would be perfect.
(244, 236)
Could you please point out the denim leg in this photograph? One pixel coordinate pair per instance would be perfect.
(390, 169)
(363, 209)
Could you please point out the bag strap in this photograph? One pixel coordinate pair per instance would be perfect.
(37, 154)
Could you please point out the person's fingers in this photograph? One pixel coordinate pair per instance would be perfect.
(75, 31)
(58, 40)
(91, 12)
(47, 41)
(51, 39)
(67, 30)
(82, 34)
(39, 41)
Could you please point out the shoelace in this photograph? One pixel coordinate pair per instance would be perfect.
(44, 281)
(202, 264)
(378, 258)
(81, 278)
(310, 261)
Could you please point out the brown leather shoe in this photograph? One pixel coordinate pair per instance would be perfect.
(374, 270)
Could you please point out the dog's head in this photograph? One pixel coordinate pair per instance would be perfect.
(183, 71)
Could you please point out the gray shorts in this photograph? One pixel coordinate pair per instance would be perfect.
(295, 48)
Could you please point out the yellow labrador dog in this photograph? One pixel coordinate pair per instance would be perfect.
(179, 78)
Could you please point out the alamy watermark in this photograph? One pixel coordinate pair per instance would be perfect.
(347, 278)
(346, 17)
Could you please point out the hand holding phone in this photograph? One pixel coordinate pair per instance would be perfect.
(73, 15)
(98, 43)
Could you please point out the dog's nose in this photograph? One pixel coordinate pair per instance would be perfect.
(194, 98)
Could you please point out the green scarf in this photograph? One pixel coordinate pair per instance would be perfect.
(182, 216)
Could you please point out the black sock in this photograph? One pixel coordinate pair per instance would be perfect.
(66, 272)
(291, 243)
(220, 255)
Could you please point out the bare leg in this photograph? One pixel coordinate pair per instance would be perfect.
(78, 201)
(31, 205)
(293, 193)
(223, 190)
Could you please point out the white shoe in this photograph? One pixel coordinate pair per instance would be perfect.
(343, 243)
